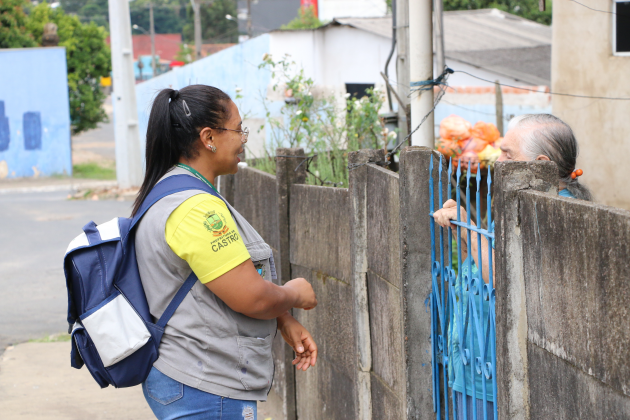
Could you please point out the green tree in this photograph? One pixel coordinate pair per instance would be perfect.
(216, 28)
(306, 20)
(169, 16)
(524, 8)
(88, 59)
(13, 33)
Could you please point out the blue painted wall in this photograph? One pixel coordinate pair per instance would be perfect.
(34, 112)
(228, 69)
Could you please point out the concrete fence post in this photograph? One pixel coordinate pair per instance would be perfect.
(358, 227)
(415, 237)
(286, 175)
(511, 311)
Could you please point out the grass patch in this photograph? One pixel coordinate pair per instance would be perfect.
(53, 338)
(93, 171)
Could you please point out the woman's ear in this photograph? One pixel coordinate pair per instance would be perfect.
(206, 137)
(543, 157)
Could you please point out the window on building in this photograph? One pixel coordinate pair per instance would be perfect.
(359, 90)
(621, 27)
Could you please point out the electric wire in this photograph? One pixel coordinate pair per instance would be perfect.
(610, 98)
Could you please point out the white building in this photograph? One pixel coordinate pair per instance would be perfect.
(331, 9)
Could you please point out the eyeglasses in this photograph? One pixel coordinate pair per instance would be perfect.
(244, 132)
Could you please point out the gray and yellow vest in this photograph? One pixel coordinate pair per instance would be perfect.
(206, 345)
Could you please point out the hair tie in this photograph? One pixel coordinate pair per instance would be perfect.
(174, 94)
(576, 173)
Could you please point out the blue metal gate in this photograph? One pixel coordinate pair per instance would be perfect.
(462, 305)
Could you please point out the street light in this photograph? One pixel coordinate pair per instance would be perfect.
(140, 28)
(230, 17)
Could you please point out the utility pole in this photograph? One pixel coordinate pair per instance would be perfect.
(421, 71)
(249, 19)
(402, 66)
(197, 10)
(438, 14)
(499, 106)
(128, 156)
(152, 30)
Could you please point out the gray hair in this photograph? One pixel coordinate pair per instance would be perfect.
(544, 134)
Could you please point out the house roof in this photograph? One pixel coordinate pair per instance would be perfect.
(209, 49)
(166, 45)
(497, 41)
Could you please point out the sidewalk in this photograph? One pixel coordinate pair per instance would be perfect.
(30, 185)
(37, 383)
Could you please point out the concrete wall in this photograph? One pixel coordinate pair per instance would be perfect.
(320, 252)
(577, 307)
(561, 300)
(34, 113)
(385, 294)
(562, 287)
(583, 64)
(372, 334)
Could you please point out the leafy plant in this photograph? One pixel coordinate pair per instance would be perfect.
(306, 19)
(88, 59)
(320, 125)
(13, 32)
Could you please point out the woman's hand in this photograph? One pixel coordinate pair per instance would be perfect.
(300, 339)
(447, 213)
(305, 295)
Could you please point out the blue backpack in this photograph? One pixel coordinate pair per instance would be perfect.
(113, 332)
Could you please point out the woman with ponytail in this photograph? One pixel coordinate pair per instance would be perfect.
(529, 137)
(215, 356)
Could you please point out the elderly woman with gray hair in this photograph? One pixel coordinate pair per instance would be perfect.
(529, 137)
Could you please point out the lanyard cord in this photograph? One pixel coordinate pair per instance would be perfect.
(197, 175)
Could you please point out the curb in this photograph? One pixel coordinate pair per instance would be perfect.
(58, 187)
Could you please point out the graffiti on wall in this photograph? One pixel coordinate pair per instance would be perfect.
(32, 124)
(32, 128)
(4, 129)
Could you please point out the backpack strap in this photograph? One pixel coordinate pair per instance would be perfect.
(179, 297)
(171, 185)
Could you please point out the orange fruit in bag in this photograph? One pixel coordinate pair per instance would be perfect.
(487, 132)
(454, 128)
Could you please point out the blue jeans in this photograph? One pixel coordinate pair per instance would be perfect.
(172, 400)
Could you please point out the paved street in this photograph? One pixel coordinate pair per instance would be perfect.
(96, 145)
(35, 230)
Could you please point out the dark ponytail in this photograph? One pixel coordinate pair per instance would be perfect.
(176, 119)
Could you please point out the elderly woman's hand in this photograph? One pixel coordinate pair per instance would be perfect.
(447, 213)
